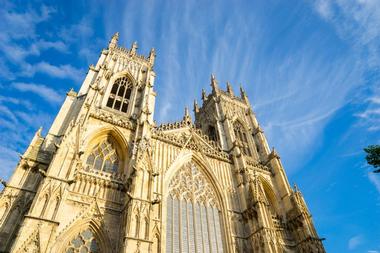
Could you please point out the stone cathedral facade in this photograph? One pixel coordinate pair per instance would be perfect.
(107, 178)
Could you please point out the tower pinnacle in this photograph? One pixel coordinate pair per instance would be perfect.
(114, 40)
(229, 89)
(196, 107)
(243, 94)
(204, 95)
(187, 117)
(214, 83)
(152, 55)
(134, 48)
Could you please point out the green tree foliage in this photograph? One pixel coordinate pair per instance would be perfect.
(373, 156)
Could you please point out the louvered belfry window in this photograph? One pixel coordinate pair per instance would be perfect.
(193, 214)
(241, 137)
(120, 94)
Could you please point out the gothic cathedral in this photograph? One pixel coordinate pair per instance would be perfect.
(106, 178)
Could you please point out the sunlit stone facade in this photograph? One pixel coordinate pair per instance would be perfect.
(106, 178)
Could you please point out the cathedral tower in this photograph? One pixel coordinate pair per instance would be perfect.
(106, 178)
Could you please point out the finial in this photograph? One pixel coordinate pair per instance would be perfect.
(134, 48)
(214, 83)
(71, 93)
(242, 91)
(39, 132)
(204, 97)
(35, 139)
(152, 55)
(296, 188)
(114, 40)
(196, 107)
(243, 95)
(187, 117)
(229, 89)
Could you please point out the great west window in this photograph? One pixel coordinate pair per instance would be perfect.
(120, 94)
(193, 221)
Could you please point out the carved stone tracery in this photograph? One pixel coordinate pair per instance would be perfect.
(191, 185)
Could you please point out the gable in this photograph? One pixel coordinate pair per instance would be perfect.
(186, 136)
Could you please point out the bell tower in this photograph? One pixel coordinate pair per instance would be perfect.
(88, 164)
(267, 202)
(229, 120)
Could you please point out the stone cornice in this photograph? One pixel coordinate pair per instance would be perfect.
(113, 119)
(141, 59)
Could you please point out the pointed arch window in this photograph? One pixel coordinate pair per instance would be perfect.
(212, 133)
(241, 137)
(103, 157)
(120, 94)
(193, 217)
(85, 242)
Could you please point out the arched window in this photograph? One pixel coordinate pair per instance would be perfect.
(156, 244)
(103, 157)
(193, 221)
(241, 137)
(146, 228)
(212, 133)
(45, 201)
(120, 95)
(83, 242)
(137, 231)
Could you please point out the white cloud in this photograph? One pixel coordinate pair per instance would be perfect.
(19, 25)
(41, 90)
(8, 161)
(354, 242)
(15, 101)
(357, 22)
(368, 113)
(375, 180)
(64, 71)
(5, 111)
(324, 8)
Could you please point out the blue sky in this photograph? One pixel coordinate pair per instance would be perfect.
(310, 69)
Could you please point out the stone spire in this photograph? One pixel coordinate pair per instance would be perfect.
(196, 107)
(204, 97)
(214, 84)
(243, 94)
(152, 56)
(187, 118)
(114, 40)
(134, 48)
(229, 89)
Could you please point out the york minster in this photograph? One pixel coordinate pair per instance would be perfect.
(106, 178)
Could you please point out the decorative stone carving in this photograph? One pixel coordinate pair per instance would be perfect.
(190, 184)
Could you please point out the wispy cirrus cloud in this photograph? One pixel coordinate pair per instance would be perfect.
(357, 22)
(65, 71)
(295, 92)
(41, 90)
(354, 242)
(19, 41)
(375, 180)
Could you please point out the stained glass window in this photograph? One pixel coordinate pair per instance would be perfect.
(120, 94)
(85, 242)
(193, 223)
(103, 157)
